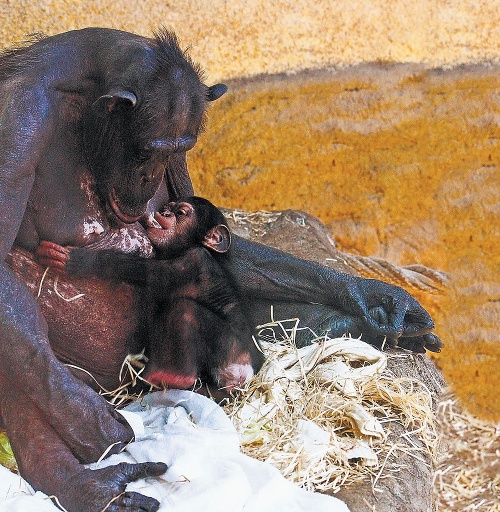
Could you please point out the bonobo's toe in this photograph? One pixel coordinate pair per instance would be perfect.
(142, 470)
(420, 343)
(415, 344)
(432, 342)
(133, 502)
(104, 489)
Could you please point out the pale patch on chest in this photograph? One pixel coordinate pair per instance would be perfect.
(87, 185)
(93, 222)
(91, 227)
(135, 241)
(130, 239)
(97, 233)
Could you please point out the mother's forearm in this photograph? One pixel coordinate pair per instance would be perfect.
(264, 272)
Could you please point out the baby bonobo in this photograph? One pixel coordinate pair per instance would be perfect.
(194, 319)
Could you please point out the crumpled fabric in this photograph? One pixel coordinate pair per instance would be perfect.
(207, 471)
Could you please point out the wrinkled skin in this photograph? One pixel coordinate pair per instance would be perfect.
(195, 323)
(92, 126)
(42, 449)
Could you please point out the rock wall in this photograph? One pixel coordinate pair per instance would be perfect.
(247, 37)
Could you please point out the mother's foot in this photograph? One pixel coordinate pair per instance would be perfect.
(98, 490)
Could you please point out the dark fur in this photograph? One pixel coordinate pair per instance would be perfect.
(15, 60)
(194, 317)
(94, 127)
(102, 135)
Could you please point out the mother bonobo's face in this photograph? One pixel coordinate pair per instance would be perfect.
(140, 130)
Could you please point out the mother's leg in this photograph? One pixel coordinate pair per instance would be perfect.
(86, 422)
(315, 320)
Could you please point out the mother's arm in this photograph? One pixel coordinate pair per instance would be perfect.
(266, 273)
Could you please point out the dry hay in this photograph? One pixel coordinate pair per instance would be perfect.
(130, 378)
(320, 420)
(467, 477)
(325, 432)
(256, 222)
(319, 413)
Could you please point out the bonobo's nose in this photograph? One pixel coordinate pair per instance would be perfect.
(166, 210)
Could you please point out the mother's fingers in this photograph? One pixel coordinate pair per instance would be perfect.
(134, 472)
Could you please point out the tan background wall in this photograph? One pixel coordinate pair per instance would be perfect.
(400, 161)
(234, 38)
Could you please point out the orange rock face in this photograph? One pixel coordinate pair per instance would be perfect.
(399, 161)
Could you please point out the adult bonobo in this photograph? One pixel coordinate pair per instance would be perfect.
(94, 127)
(93, 124)
(195, 324)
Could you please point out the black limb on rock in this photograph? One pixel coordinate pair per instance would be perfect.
(404, 481)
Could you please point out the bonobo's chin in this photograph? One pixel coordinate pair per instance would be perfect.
(114, 204)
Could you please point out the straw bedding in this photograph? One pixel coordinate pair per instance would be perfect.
(318, 412)
(320, 415)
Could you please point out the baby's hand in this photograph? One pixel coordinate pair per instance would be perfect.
(52, 255)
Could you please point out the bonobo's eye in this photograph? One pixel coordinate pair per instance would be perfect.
(145, 155)
(181, 209)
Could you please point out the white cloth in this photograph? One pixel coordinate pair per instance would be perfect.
(207, 471)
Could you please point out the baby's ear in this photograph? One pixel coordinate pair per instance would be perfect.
(218, 239)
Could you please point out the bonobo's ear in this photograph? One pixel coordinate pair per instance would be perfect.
(218, 239)
(115, 100)
(216, 91)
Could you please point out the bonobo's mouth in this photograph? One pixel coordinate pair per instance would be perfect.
(157, 223)
(114, 202)
(164, 219)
